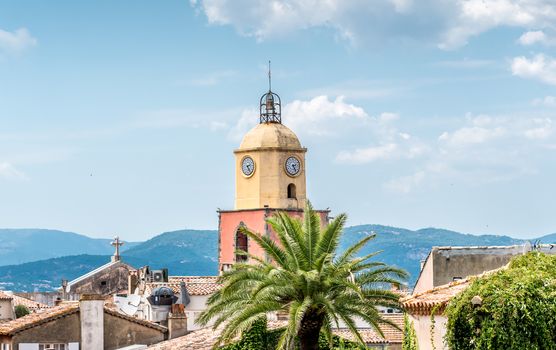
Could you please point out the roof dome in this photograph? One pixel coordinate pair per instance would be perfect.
(270, 135)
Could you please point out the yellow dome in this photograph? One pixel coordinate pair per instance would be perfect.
(270, 135)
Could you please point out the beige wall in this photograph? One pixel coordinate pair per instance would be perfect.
(61, 330)
(119, 333)
(446, 263)
(7, 310)
(451, 263)
(196, 306)
(425, 281)
(422, 325)
(269, 183)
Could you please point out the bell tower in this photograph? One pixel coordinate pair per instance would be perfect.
(270, 163)
(269, 177)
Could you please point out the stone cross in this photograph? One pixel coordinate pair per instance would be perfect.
(117, 243)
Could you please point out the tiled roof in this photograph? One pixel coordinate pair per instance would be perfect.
(38, 318)
(135, 319)
(201, 339)
(423, 303)
(392, 334)
(65, 309)
(30, 304)
(196, 285)
(204, 339)
(5, 296)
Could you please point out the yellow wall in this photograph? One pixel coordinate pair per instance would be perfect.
(269, 183)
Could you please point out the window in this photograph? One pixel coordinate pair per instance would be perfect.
(5, 347)
(291, 191)
(241, 244)
(52, 346)
(103, 283)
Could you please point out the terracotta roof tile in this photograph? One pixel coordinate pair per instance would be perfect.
(30, 304)
(135, 319)
(5, 296)
(46, 315)
(204, 339)
(196, 285)
(37, 318)
(423, 303)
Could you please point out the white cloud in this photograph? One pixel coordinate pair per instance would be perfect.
(366, 155)
(8, 171)
(548, 101)
(248, 119)
(317, 116)
(471, 135)
(466, 63)
(540, 67)
(16, 41)
(449, 24)
(320, 116)
(405, 184)
(532, 37)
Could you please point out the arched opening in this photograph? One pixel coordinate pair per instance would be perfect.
(241, 244)
(291, 191)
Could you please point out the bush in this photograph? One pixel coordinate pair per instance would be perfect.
(21, 310)
(517, 308)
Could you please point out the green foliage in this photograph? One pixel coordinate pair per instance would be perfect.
(256, 337)
(260, 338)
(21, 310)
(307, 279)
(518, 308)
(409, 335)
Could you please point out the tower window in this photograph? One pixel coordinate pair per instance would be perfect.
(241, 244)
(291, 191)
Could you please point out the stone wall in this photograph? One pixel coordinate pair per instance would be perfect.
(109, 281)
(62, 330)
(119, 333)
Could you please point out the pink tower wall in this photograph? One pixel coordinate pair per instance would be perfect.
(254, 219)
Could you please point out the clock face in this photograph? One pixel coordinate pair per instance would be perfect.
(293, 166)
(248, 166)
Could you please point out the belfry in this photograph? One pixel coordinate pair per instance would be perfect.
(270, 177)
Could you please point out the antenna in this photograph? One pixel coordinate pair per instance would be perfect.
(269, 77)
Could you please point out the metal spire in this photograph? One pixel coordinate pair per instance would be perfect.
(269, 78)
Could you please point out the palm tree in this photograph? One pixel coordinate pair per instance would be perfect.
(304, 276)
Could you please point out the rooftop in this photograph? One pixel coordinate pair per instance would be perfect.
(423, 303)
(46, 315)
(204, 339)
(196, 285)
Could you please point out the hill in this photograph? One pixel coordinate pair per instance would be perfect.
(194, 252)
(19, 246)
(184, 252)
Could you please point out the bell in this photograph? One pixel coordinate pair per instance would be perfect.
(269, 102)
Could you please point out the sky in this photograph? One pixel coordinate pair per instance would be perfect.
(121, 117)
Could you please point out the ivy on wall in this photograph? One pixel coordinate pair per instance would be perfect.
(512, 309)
(409, 335)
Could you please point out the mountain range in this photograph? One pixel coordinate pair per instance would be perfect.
(37, 260)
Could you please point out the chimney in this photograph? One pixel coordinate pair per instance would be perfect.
(184, 299)
(91, 310)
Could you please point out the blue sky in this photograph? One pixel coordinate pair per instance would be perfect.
(121, 117)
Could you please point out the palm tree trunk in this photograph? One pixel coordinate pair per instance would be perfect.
(309, 331)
